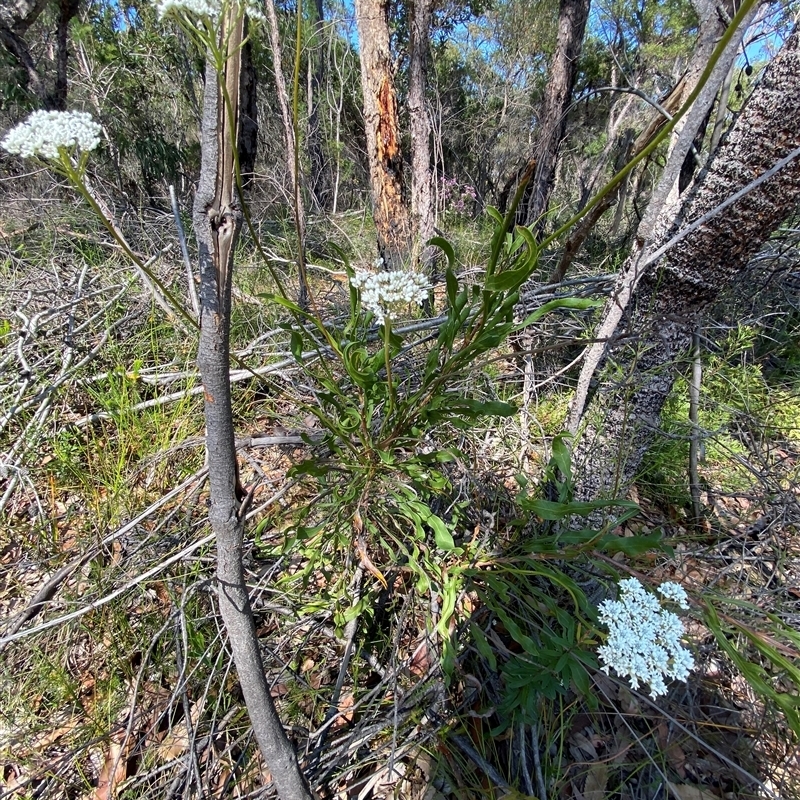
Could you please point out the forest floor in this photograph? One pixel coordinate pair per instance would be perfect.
(116, 681)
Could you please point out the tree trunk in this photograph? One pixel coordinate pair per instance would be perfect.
(320, 183)
(572, 16)
(759, 160)
(248, 114)
(422, 209)
(662, 209)
(290, 142)
(383, 133)
(217, 221)
(15, 20)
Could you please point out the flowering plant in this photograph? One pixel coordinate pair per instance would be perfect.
(644, 641)
(52, 135)
(383, 293)
(456, 197)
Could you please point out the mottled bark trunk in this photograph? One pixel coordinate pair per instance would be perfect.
(661, 210)
(217, 221)
(383, 133)
(572, 16)
(624, 415)
(422, 210)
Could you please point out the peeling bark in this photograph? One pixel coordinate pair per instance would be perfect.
(625, 413)
(382, 126)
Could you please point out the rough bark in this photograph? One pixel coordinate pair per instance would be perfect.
(217, 221)
(662, 209)
(714, 247)
(572, 16)
(382, 127)
(422, 209)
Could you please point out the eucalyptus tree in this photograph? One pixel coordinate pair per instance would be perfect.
(692, 250)
(382, 127)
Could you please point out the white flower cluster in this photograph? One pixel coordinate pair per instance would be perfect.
(206, 8)
(644, 640)
(44, 132)
(201, 8)
(383, 292)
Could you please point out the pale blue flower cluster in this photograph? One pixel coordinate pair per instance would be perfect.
(44, 132)
(383, 292)
(644, 640)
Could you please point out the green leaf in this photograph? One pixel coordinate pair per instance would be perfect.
(442, 534)
(574, 303)
(507, 279)
(551, 510)
(495, 214)
(630, 545)
(561, 456)
(447, 249)
(473, 408)
(285, 302)
(296, 346)
(483, 646)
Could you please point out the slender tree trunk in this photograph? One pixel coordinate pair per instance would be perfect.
(248, 113)
(383, 133)
(217, 221)
(291, 148)
(320, 183)
(67, 9)
(756, 173)
(572, 17)
(422, 208)
(16, 18)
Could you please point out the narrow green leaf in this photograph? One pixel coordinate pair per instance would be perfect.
(483, 646)
(574, 303)
(447, 249)
(296, 346)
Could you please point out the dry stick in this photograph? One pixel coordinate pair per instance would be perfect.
(696, 437)
(537, 761)
(523, 759)
(350, 631)
(176, 213)
(465, 747)
(36, 605)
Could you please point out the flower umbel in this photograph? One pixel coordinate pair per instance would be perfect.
(206, 8)
(201, 8)
(44, 132)
(384, 292)
(644, 639)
